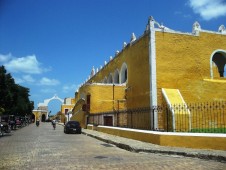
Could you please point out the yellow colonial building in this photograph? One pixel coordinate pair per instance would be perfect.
(161, 67)
(40, 114)
(66, 109)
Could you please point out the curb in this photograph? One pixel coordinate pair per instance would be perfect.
(218, 158)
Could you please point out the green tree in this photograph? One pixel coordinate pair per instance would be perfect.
(2, 110)
(14, 98)
(24, 106)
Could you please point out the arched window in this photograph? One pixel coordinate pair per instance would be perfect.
(124, 73)
(218, 59)
(110, 80)
(105, 80)
(116, 77)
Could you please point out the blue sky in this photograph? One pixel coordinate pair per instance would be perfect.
(50, 46)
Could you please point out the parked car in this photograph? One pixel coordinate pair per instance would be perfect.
(72, 127)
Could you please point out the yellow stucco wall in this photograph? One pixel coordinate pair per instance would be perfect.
(183, 62)
(80, 117)
(136, 58)
(132, 94)
(78, 114)
(73, 101)
(69, 107)
(38, 114)
(102, 97)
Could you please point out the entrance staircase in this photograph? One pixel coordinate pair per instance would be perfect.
(178, 110)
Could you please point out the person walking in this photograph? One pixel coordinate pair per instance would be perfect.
(54, 124)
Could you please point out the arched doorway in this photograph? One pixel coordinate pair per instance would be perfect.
(218, 60)
(43, 118)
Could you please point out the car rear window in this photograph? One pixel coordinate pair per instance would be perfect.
(73, 123)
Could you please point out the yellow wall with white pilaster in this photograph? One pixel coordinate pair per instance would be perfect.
(183, 62)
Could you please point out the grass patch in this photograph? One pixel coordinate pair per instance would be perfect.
(209, 130)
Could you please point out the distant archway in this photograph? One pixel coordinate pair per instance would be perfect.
(46, 101)
(43, 107)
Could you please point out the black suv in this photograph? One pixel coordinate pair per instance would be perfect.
(72, 127)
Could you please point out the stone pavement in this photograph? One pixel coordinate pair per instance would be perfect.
(42, 147)
(138, 146)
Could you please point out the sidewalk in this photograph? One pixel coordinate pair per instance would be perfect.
(138, 146)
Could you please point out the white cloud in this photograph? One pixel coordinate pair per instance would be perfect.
(208, 9)
(29, 78)
(24, 79)
(18, 80)
(5, 58)
(49, 82)
(48, 91)
(28, 64)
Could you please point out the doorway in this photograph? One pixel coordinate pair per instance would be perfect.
(108, 121)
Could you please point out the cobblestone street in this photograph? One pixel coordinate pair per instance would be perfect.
(44, 148)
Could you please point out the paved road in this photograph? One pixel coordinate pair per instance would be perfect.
(44, 148)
